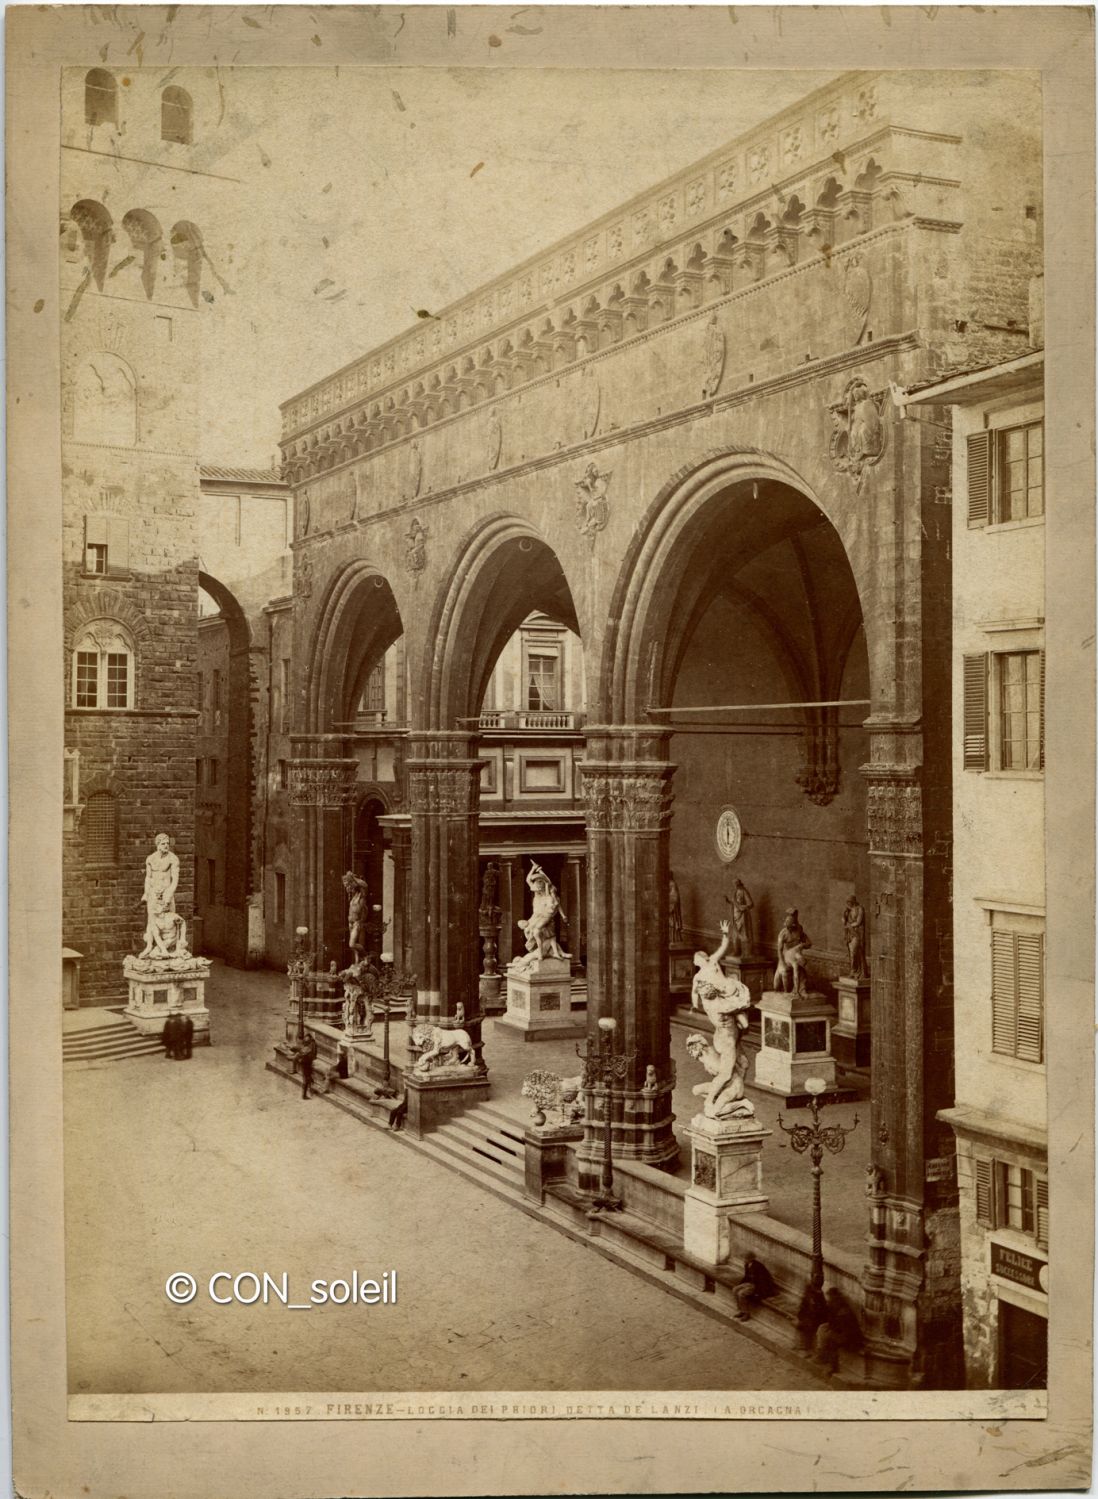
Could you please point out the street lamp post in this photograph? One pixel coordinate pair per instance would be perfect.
(815, 1137)
(600, 1070)
(298, 969)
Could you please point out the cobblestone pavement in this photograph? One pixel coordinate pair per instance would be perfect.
(217, 1164)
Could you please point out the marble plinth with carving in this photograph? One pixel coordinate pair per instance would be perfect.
(725, 1182)
(795, 1042)
(157, 984)
(539, 999)
(850, 1035)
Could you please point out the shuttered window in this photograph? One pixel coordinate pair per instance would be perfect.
(1042, 1212)
(984, 1204)
(1020, 710)
(979, 478)
(1017, 995)
(1020, 473)
(975, 712)
(1011, 1196)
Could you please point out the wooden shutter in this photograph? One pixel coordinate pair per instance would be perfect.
(979, 478)
(975, 712)
(1031, 1003)
(96, 531)
(1042, 1212)
(983, 1193)
(1041, 731)
(118, 544)
(1003, 1008)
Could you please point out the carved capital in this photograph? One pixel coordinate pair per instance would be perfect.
(630, 798)
(322, 783)
(444, 788)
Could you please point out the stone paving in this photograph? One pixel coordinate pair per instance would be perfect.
(217, 1164)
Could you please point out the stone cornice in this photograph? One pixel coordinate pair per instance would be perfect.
(789, 156)
(800, 375)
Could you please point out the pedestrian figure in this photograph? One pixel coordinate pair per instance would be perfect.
(811, 1312)
(170, 1035)
(185, 1035)
(307, 1058)
(837, 1331)
(757, 1285)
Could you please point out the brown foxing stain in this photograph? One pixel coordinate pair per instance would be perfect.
(476, 169)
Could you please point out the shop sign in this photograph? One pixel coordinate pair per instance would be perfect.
(1022, 1269)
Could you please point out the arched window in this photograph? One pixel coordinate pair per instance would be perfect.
(105, 401)
(94, 223)
(100, 98)
(103, 666)
(99, 826)
(187, 257)
(176, 116)
(373, 694)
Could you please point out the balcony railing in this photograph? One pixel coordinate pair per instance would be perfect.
(531, 719)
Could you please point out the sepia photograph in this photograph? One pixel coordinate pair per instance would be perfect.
(548, 623)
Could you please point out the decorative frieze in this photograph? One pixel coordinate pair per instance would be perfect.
(322, 783)
(764, 171)
(894, 811)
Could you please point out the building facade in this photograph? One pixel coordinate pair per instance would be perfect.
(245, 526)
(672, 433)
(140, 202)
(1001, 1112)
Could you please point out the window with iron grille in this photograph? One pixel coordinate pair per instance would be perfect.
(99, 827)
(1017, 994)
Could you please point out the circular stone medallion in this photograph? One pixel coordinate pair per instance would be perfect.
(729, 835)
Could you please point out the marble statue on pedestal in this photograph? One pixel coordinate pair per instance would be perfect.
(357, 890)
(442, 1051)
(539, 928)
(710, 975)
(165, 930)
(359, 986)
(793, 940)
(742, 920)
(854, 936)
(166, 978)
(674, 912)
(726, 1003)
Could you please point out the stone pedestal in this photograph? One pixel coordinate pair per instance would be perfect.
(753, 972)
(680, 967)
(850, 1045)
(725, 1182)
(157, 983)
(795, 1043)
(70, 978)
(539, 1000)
(432, 1100)
(546, 1149)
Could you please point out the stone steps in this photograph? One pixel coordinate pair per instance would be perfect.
(486, 1148)
(108, 1042)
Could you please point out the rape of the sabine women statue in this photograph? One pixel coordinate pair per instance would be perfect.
(854, 936)
(165, 929)
(357, 891)
(789, 976)
(726, 1002)
(539, 928)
